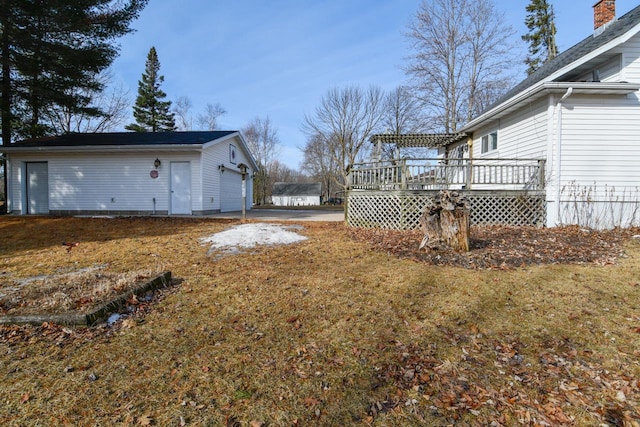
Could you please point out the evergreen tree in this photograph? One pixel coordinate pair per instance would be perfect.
(542, 34)
(151, 113)
(51, 52)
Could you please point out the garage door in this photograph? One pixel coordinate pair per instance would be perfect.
(230, 192)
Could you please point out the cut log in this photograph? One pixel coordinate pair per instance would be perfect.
(445, 221)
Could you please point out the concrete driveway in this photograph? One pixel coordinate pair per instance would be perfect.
(286, 215)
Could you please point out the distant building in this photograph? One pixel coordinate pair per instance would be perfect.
(286, 194)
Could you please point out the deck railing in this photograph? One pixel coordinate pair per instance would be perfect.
(437, 174)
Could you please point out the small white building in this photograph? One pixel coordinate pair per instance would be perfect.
(286, 194)
(129, 173)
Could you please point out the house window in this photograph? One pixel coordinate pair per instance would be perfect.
(490, 142)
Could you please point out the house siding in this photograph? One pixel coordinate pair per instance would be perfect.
(631, 60)
(296, 200)
(599, 157)
(97, 182)
(599, 180)
(211, 179)
(522, 134)
(226, 197)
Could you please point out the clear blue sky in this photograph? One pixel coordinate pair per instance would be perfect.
(277, 58)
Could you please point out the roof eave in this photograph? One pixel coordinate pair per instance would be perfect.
(101, 148)
(549, 88)
(508, 104)
(222, 139)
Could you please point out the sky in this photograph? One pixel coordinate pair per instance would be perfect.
(278, 58)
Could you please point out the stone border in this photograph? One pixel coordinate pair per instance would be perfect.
(95, 316)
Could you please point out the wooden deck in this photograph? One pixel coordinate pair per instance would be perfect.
(436, 174)
(392, 194)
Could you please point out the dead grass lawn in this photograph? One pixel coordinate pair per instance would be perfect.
(324, 332)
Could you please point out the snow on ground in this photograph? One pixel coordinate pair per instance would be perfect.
(247, 236)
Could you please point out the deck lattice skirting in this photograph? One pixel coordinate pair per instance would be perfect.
(401, 210)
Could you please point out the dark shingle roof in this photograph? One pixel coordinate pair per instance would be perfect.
(287, 189)
(124, 138)
(614, 30)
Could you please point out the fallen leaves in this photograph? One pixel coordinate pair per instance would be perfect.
(77, 290)
(534, 393)
(502, 247)
(310, 402)
(145, 420)
(70, 245)
(381, 341)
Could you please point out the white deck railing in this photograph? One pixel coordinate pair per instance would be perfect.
(437, 174)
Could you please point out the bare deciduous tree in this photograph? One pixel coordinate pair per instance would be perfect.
(320, 165)
(344, 121)
(462, 54)
(209, 119)
(283, 173)
(402, 114)
(110, 107)
(262, 140)
(181, 109)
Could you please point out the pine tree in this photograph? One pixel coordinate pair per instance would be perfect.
(151, 113)
(51, 52)
(542, 34)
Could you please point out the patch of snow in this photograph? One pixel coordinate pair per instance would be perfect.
(251, 235)
(113, 318)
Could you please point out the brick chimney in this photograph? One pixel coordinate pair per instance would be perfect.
(603, 12)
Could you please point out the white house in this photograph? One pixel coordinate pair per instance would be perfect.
(580, 113)
(287, 194)
(168, 173)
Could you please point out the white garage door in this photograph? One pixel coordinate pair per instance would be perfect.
(230, 192)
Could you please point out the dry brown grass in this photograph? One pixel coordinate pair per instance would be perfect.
(76, 291)
(324, 332)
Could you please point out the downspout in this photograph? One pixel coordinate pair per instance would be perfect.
(559, 150)
(469, 180)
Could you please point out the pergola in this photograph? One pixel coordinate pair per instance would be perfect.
(416, 140)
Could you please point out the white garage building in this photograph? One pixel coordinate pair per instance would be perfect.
(128, 173)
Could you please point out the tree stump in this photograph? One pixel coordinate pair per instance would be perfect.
(445, 221)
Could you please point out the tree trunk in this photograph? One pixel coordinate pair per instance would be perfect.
(445, 221)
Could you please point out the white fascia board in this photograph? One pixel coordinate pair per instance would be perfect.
(243, 143)
(252, 161)
(219, 140)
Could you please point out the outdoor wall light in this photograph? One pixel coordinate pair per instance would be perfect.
(157, 163)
